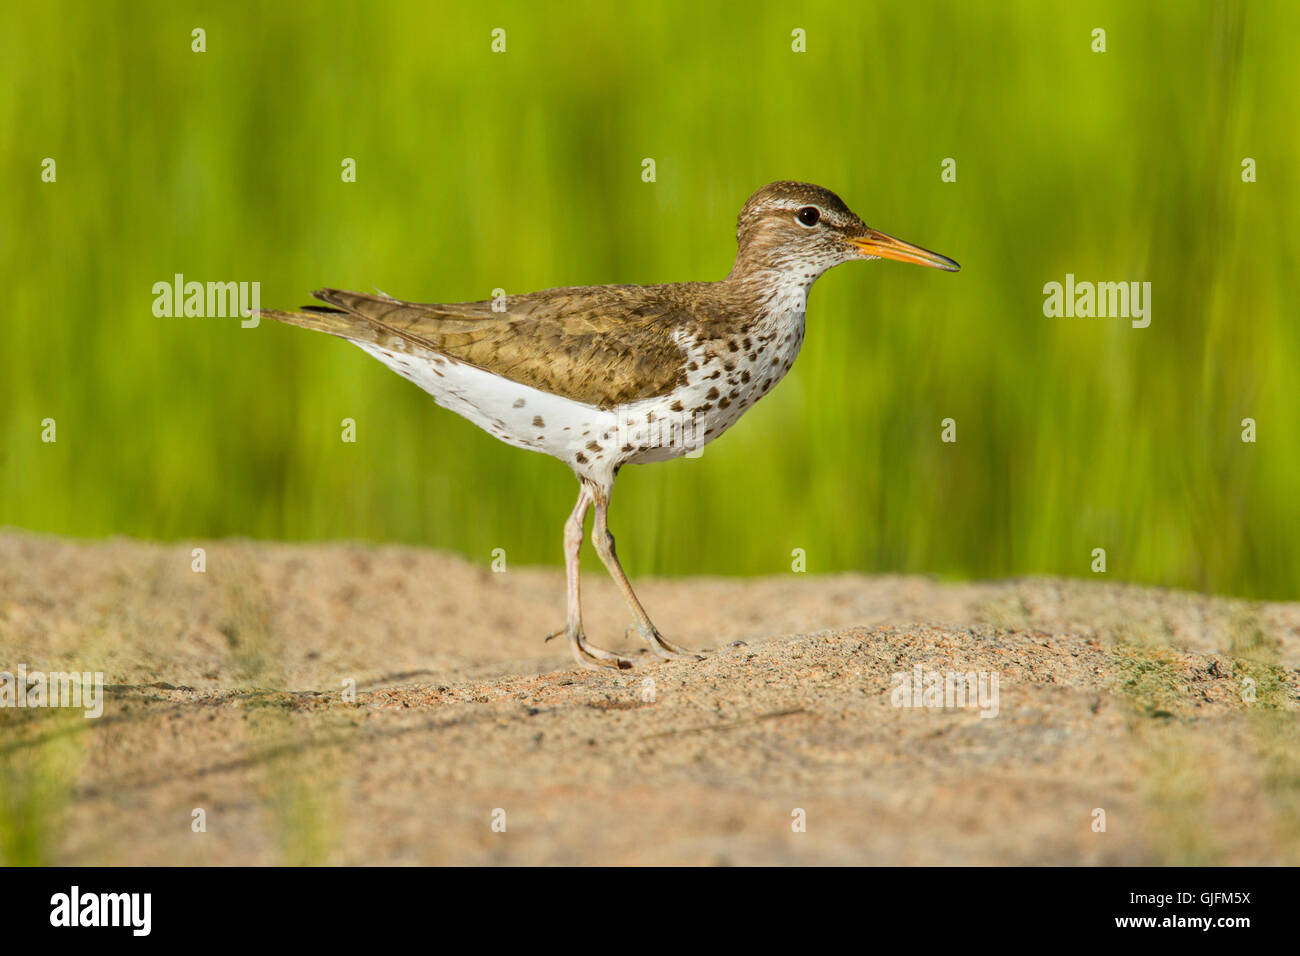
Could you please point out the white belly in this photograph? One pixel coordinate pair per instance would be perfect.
(517, 414)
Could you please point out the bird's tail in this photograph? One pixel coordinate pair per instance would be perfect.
(321, 319)
(356, 322)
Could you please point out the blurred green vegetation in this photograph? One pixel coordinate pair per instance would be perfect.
(522, 170)
(39, 757)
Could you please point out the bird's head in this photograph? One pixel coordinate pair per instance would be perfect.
(802, 229)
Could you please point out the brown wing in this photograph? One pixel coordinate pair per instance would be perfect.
(603, 345)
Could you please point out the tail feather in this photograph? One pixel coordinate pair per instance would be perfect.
(326, 318)
(335, 323)
(394, 323)
(348, 326)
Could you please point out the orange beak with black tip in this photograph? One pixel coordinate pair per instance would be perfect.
(878, 245)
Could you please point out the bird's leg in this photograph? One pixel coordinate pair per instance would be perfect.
(604, 543)
(585, 654)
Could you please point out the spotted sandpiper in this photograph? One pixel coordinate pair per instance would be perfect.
(605, 376)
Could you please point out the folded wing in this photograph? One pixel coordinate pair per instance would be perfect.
(605, 345)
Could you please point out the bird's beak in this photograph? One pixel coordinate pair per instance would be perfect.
(887, 247)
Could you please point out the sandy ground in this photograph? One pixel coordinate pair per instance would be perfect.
(1173, 717)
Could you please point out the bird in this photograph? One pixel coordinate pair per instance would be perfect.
(612, 375)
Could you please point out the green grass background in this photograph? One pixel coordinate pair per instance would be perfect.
(522, 170)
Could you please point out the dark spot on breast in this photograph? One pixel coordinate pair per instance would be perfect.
(694, 366)
(538, 423)
(580, 458)
(744, 376)
(627, 448)
(749, 343)
(592, 446)
(713, 392)
(725, 403)
(716, 374)
(676, 406)
(733, 346)
(519, 403)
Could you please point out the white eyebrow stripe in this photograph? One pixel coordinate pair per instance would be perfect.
(794, 205)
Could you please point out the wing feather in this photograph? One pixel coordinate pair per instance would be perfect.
(603, 345)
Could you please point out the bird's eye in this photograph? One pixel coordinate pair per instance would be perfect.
(810, 216)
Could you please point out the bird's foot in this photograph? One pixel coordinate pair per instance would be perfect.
(665, 648)
(589, 655)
